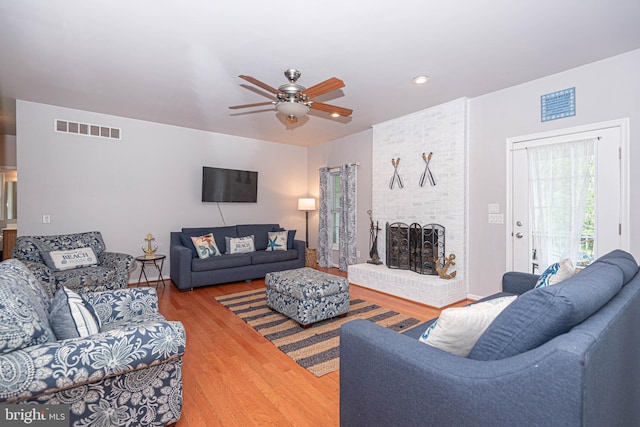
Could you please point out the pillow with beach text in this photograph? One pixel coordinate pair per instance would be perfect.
(68, 259)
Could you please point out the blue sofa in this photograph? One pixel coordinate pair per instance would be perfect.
(564, 355)
(188, 271)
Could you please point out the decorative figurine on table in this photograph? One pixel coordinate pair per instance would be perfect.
(442, 271)
(149, 252)
(373, 241)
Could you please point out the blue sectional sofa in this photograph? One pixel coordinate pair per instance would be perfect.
(564, 355)
(188, 271)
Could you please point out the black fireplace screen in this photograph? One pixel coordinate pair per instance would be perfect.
(415, 247)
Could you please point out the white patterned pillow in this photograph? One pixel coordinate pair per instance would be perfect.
(206, 246)
(71, 316)
(556, 273)
(457, 329)
(240, 245)
(68, 259)
(277, 241)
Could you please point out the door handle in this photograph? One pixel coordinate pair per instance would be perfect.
(519, 235)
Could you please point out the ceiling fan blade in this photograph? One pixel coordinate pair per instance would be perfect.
(344, 112)
(260, 84)
(328, 85)
(257, 104)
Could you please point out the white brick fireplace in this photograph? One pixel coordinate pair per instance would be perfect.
(443, 131)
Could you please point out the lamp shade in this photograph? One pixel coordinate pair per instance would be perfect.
(293, 109)
(307, 204)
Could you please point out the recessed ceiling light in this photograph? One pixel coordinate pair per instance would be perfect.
(335, 115)
(420, 80)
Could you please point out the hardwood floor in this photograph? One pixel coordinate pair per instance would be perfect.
(232, 376)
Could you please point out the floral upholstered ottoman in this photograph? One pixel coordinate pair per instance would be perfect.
(307, 295)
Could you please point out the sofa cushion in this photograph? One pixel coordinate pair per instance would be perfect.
(85, 277)
(291, 235)
(277, 241)
(70, 258)
(623, 260)
(556, 273)
(71, 316)
(259, 232)
(23, 313)
(206, 246)
(240, 245)
(265, 257)
(219, 233)
(219, 262)
(458, 328)
(544, 313)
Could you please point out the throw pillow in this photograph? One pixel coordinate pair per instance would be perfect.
(23, 316)
(556, 273)
(291, 235)
(71, 316)
(240, 245)
(205, 246)
(457, 329)
(277, 241)
(68, 259)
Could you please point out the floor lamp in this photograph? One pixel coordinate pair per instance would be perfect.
(307, 204)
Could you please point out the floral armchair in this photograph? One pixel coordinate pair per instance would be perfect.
(127, 373)
(109, 271)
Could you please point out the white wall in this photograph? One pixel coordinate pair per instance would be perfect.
(605, 90)
(351, 149)
(148, 182)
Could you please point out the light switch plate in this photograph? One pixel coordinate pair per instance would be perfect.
(494, 208)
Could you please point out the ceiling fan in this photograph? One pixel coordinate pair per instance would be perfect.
(294, 100)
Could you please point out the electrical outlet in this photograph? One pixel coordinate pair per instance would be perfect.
(46, 219)
(496, 219)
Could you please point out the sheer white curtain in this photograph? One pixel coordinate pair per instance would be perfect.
(559, 178)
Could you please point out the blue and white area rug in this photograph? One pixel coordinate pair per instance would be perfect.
(316, 348)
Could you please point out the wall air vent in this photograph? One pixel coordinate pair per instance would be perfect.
(86, 129)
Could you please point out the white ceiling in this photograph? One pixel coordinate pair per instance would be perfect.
(178, 62)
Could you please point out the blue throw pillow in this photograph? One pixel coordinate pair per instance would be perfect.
(185, 239)
(543, 313)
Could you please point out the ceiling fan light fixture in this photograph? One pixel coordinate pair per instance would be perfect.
(292, 109)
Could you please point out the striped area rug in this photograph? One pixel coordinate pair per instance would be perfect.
(316, 348)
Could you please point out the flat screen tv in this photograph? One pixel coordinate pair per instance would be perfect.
(229, 185)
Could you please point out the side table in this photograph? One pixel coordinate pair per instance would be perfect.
(144, 260)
